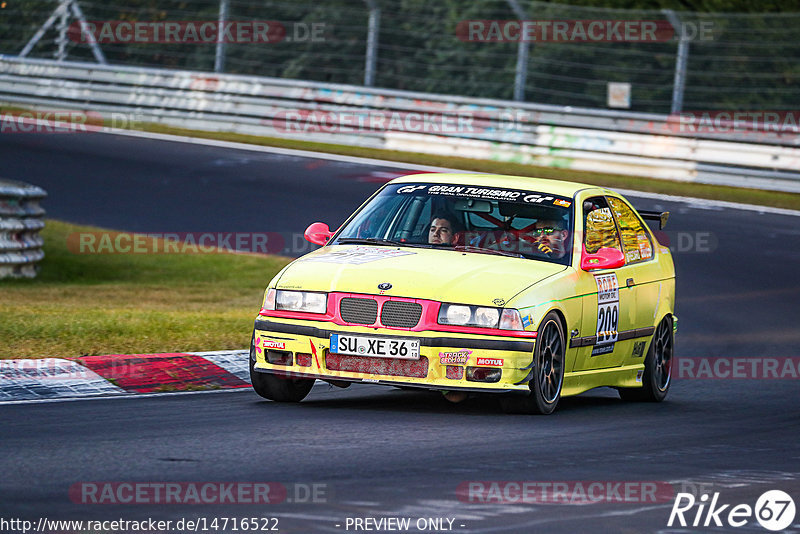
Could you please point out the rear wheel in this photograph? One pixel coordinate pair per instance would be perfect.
(276, 387)
(657, 375)
(548, 372)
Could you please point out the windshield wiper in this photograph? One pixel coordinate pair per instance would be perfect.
(467, 248)
(376, 241)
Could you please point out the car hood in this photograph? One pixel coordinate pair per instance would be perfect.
(444, 275)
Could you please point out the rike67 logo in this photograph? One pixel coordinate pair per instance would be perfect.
(774, 510)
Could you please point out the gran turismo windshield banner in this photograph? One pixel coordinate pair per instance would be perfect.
(485, 193)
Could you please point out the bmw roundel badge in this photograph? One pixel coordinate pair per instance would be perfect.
(384, 286)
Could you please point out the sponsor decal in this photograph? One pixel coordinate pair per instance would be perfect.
(484, 193)
(499, 302)
(562, 203)
(358, 255)
(454, 358)
(527, 321)
(639, 375)
(644, 246)
(491, 362)
(269, 344)
(599, 350)
(410, 189)
(638, 349)
(632, 255)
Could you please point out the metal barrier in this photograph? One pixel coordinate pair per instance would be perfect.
(655, 146)
(20, 222)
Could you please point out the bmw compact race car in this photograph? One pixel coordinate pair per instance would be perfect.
(528, 288)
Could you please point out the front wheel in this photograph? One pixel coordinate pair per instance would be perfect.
(657, 367)
(276, 387)
(548, 372)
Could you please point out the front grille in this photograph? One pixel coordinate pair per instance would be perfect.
(359, 311)
(400, 314)
(377, 366)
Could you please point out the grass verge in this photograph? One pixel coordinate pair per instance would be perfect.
(129, 303)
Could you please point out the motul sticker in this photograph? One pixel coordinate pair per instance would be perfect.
(274, 344)
(491, 362)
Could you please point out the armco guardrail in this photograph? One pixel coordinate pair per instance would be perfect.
(20, 222)
(656, 146)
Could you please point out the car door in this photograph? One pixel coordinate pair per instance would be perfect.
(609, 303)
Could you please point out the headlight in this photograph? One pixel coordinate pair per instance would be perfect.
(479, 316)
(298, 301)
(454, 314)
(487, 317)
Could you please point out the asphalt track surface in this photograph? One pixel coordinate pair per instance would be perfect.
(388, 453)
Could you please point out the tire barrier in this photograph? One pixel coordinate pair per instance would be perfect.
(21, 246)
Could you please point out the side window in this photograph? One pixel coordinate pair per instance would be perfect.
(599, 228)
(635, 241)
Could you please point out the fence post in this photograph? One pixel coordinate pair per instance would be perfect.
(219, 58)
(61, 40)
(372, 42)
(521, 71)
(679, 83)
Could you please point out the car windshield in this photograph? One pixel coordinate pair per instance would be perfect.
(475, 219)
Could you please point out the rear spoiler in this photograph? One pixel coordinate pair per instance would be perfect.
(660, 216)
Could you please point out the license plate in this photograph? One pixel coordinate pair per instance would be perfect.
(375, 347)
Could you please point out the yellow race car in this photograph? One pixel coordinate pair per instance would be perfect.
(528, 288)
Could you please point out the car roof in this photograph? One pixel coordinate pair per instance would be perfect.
(558, 187)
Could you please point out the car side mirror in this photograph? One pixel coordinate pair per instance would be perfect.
(318, 233)
(605, 258)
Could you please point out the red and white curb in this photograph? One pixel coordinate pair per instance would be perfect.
(122, 374)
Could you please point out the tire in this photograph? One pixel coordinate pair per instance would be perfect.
(657, 375)
(548, 376)
(276, 387)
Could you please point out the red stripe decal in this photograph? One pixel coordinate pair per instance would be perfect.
(314, 351)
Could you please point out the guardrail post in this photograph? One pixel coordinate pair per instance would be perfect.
(372, 42)
(521, 71)
(679, 83)
(219, 58)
